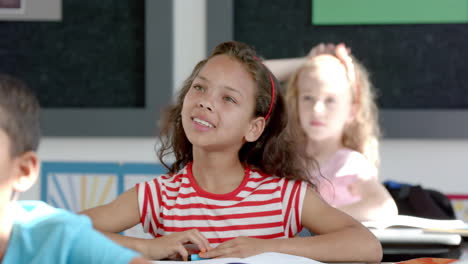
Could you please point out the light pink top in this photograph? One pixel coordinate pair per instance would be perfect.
(345, 167)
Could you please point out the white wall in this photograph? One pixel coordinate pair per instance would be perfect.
(189, 38)
(440, 164)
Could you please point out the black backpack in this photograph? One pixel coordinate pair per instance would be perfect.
(416, 201)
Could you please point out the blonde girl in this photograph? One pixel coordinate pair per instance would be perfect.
(331, 101)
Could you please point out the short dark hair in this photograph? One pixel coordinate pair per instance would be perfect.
(19, 115)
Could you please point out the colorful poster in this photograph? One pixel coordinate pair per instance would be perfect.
(460, 205)
(76, 186)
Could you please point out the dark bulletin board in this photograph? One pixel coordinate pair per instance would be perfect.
(412, 66)
(93, 58)
(106, 72)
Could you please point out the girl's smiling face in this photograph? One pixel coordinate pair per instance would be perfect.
(324, 99)
(218, 108)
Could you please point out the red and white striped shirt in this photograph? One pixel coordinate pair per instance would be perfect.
(263, 206)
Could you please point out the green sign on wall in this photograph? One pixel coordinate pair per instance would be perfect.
(359, 12)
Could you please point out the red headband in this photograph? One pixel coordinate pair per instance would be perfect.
(272, 90)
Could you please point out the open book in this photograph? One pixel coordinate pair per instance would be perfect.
(264, 258)
(416, 222)
(404, 229)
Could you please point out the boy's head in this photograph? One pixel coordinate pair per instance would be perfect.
(19, 136)
(19, 115)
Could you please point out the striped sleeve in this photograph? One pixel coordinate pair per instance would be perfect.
(292, 196)
(149, 203)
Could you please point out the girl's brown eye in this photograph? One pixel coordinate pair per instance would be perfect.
(198, 87)
(229, 99)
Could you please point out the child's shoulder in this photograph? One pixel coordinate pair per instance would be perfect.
(261, 177)
(350, 162)
(34, 216)
(169, 177)
(38, 227)
(347, 155)
(169, 181)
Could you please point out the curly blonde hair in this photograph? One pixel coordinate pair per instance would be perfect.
(363, 133)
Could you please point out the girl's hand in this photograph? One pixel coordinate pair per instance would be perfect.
(172, 246)
(343, 54)
(240, 247)
(321, 49)
(340, 51)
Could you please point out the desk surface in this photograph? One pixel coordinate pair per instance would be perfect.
(396, 253)
(391, 254)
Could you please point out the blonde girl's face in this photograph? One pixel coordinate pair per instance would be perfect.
(218, 108)
(324, 99)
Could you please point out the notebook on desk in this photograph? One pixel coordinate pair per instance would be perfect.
(264, 258)
(407, 243)
(415, 236)
(413, 221)
(404, 229)
(461, 231)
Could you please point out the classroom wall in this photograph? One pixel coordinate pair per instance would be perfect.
(440, 164)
